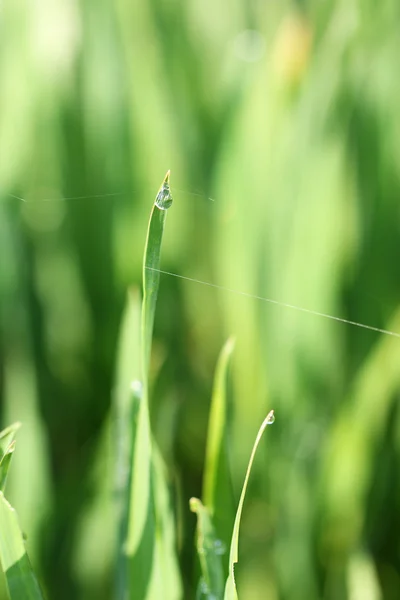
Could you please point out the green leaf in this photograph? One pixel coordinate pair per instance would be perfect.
(7, 436)
(128, 367)
(230, 588)
(21, 581)
(7, 445)
(166, 557)
(209, 549)
(5, 465)
(153, 567)
(123, 490)
(151, 275)
(127, 396)
(217, 485)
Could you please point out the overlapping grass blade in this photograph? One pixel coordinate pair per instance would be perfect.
(7, 436)
(7, 445)
(166, 559)
(21, 581)
(217, 486)
(148, 537)
(230, 588)
(5, 465)
(209, 549)
(127, 395)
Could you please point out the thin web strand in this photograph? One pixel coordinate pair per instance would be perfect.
(63, 199)
(98, 196)
(214, 285)
(278, 303)
(197, 194)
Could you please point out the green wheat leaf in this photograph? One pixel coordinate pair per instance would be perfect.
(127, 397)
(5, 465)
(230, 588)
(20, 578)
(7, 436)
(7, 445)
(149, 537)
(217, 486)
(209, 550)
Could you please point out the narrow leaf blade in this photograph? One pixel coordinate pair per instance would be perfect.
(151, 265)
(21, 581)
(209, 551)
(7, 436)
(145, 536)
(230, 588)
(217, 485)
(5, 465)
(170, 584)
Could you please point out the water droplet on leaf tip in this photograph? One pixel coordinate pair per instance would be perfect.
(164, 198)
(271, 418)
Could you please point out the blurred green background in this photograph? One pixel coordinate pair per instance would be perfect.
(280, 122)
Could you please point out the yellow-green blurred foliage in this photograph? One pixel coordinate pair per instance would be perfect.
(280, 122)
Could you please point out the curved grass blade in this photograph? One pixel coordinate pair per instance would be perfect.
(5, 465)
(217, 485)
(230, 588)
(209, 550)
(7, 445)
(7, 436)
(20, 578)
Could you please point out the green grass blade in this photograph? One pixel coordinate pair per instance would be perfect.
(21, 581)
(5, 465)
(123, 489)
(166, 557)
(7, 436)
(127, 395)
(143, 538)
(209, 550)
(128, 368)
(7, 445)
(141, 526)
(230, 588)
(217, 486)
(151, 276)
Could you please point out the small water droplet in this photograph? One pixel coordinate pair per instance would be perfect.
(219, 547)
(203, 587)
(137, 388)
(271, 418)
(164, 198)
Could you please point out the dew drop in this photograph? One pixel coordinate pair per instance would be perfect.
(203, 588)
(164, 198)
(137, 388)
(205, 592)
(271, 418)
(219, 547)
